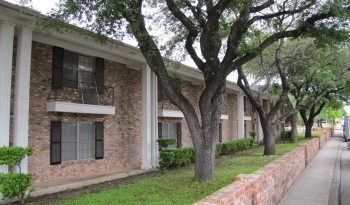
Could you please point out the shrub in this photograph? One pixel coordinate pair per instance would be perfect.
(252, 134)
(167, 158)
(218, 149)
(176, 158)
(163, 143)
(14, 184)
(287, 135)
(13, 155)
(235, 145)
(184, 156)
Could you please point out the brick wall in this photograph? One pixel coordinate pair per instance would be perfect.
(231, 125)
(268, 184)
(193, 92)
(122, 131)
(311, 149)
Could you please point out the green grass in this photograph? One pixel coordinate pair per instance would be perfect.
(177, 186)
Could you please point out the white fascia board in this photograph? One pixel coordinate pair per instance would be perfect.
(247, 118)
(224, 117)
(79, 108)
(170, 113)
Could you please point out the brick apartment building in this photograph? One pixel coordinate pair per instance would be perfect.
(87, 107)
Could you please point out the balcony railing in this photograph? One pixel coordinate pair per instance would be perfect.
(82, 93)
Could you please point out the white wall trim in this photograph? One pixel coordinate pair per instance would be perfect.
(79, 108)
(170, 113)
(248, 118)
(224, 117)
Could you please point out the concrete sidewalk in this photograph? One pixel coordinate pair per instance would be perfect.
(319, 183)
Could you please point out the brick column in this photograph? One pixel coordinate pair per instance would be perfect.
(240, 115)
(22, 85)
(6, 48)
(149, 119)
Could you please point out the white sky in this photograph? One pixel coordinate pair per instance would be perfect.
(44, 6)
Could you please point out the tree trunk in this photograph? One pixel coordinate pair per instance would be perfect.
(294, 128)
(205, 162)
(269, 138)
(204, 134)
(308, 129)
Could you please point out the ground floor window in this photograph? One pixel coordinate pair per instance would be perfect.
(220, 132)
(76, 141)
(170, 130)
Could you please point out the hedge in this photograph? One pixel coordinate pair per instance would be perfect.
(174, 158)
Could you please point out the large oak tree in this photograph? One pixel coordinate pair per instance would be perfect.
(214, 34)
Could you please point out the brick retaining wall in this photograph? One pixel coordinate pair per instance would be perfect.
(311, 149)
(268, 184)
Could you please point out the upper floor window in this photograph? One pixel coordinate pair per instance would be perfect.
(74, 70)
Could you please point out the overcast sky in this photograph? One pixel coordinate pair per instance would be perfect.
(44, 6)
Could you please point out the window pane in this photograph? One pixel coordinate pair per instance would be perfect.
(86, 131)
(172, 130)
(86, 140)
(86, 149)
(69, 150)
(70, 78)
(70, 60)
(69, 131)
(165, 130)
(172, 134)
(86, 63)
(87, 78)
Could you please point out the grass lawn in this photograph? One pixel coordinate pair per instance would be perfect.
(177, 186)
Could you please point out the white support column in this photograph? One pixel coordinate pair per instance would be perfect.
(154, 135)
(260, 132)
(240, 115)
(22, 85)
(149, 119)
(6, 49)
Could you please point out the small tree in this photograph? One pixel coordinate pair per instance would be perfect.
(14, 184)
(165, 142)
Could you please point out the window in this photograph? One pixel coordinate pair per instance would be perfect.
(74, 70)
(76, 141)
(172, 130)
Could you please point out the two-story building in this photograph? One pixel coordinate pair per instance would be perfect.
(87, 107)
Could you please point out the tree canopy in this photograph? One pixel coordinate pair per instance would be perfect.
(217, 36)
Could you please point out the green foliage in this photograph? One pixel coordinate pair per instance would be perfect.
(287, 135)
(218, 149)
(13, 155)
(174, 158)
(163, 143)
(15, 184)
(236, 145)
(252, 134)
(167, 158)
